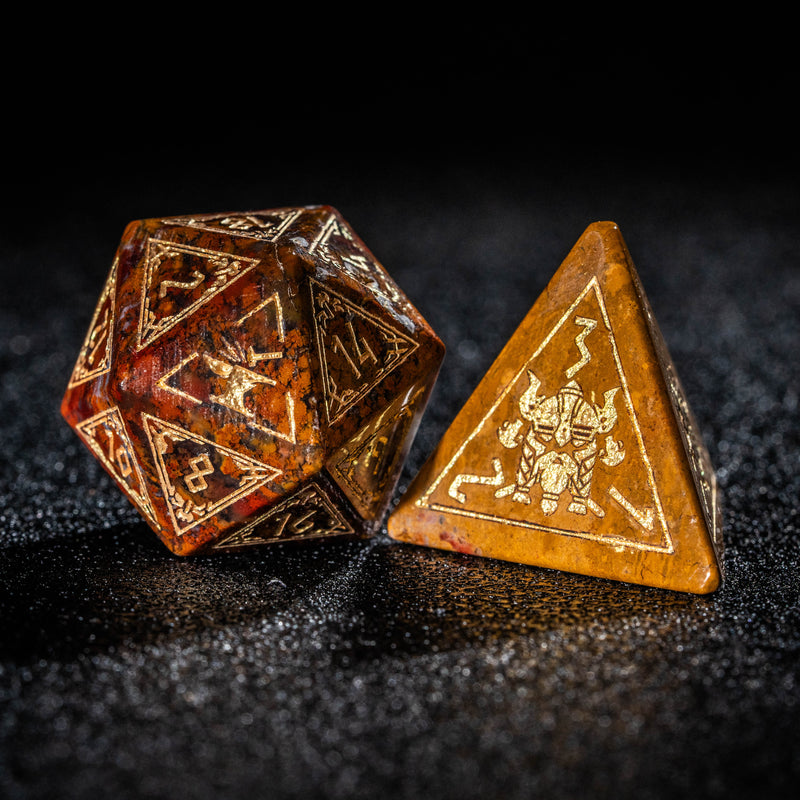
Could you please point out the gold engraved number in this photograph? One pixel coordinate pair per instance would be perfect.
(197, 279)
(338, 347)
(98, 338)
(195, 480)
(298, 526)
(118, 455)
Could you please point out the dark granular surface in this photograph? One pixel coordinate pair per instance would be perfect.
(374, 669)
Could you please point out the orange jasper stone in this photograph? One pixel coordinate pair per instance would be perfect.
(577, 451)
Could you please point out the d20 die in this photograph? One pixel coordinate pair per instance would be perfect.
(251, 378)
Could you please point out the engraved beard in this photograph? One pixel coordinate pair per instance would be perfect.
(559, 449)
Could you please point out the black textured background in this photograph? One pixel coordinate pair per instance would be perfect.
(470, 165)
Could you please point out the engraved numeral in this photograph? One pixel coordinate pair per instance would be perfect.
(118, 455)
(197, 279)
(298, 526)
(367, 355)
(201, 466)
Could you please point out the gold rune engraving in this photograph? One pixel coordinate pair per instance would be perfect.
(357, 349)
(253, 358)
(567, 446)
(180, 278)
(235, 383)
(251, 225)
(214, 476)
(307, 514)
(95, 356)
(106, 436)
(580, 340)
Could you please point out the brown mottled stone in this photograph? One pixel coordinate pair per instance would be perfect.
(577, 451)
(251, 378)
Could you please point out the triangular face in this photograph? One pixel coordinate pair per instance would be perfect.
(265, 226)
(338, 246)
(367, 467)
(307, 514)
(95, 355)
(178, 279)
(198, 477)
(559, 447)
(576, 451)
(356, 349)
(107, 438)
(248, 372)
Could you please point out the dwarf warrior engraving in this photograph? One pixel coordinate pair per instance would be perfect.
(560, 449)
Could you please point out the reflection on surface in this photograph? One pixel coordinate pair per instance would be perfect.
(420, 599)
(376, 596)
(112, 586)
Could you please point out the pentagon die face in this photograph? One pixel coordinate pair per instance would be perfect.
(252, 378)
(577, 451)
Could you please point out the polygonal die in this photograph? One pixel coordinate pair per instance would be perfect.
(252, 377)
(577, 451)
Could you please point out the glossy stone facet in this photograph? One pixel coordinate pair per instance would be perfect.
(251, 378)
(577, 451)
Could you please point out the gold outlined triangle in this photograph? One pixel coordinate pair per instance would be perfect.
(267, 226)
(307, 514)
(99, 337)
(357, 349)
(536, 521)
(116, 454)
(207, 273)
(203, 479)
(532, 470)
(367, 466)
(338, 247)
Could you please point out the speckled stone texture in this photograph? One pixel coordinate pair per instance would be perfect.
(378, 669)
(252, 377)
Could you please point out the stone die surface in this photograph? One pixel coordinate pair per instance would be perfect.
(251, 378)
(577, 451)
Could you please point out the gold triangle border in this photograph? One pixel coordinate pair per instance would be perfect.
(614, 541)
(377, 321)
(248, 487)
(287, 216)
(311, 493)
(140, 499)
(144, 339)
(79, 377)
